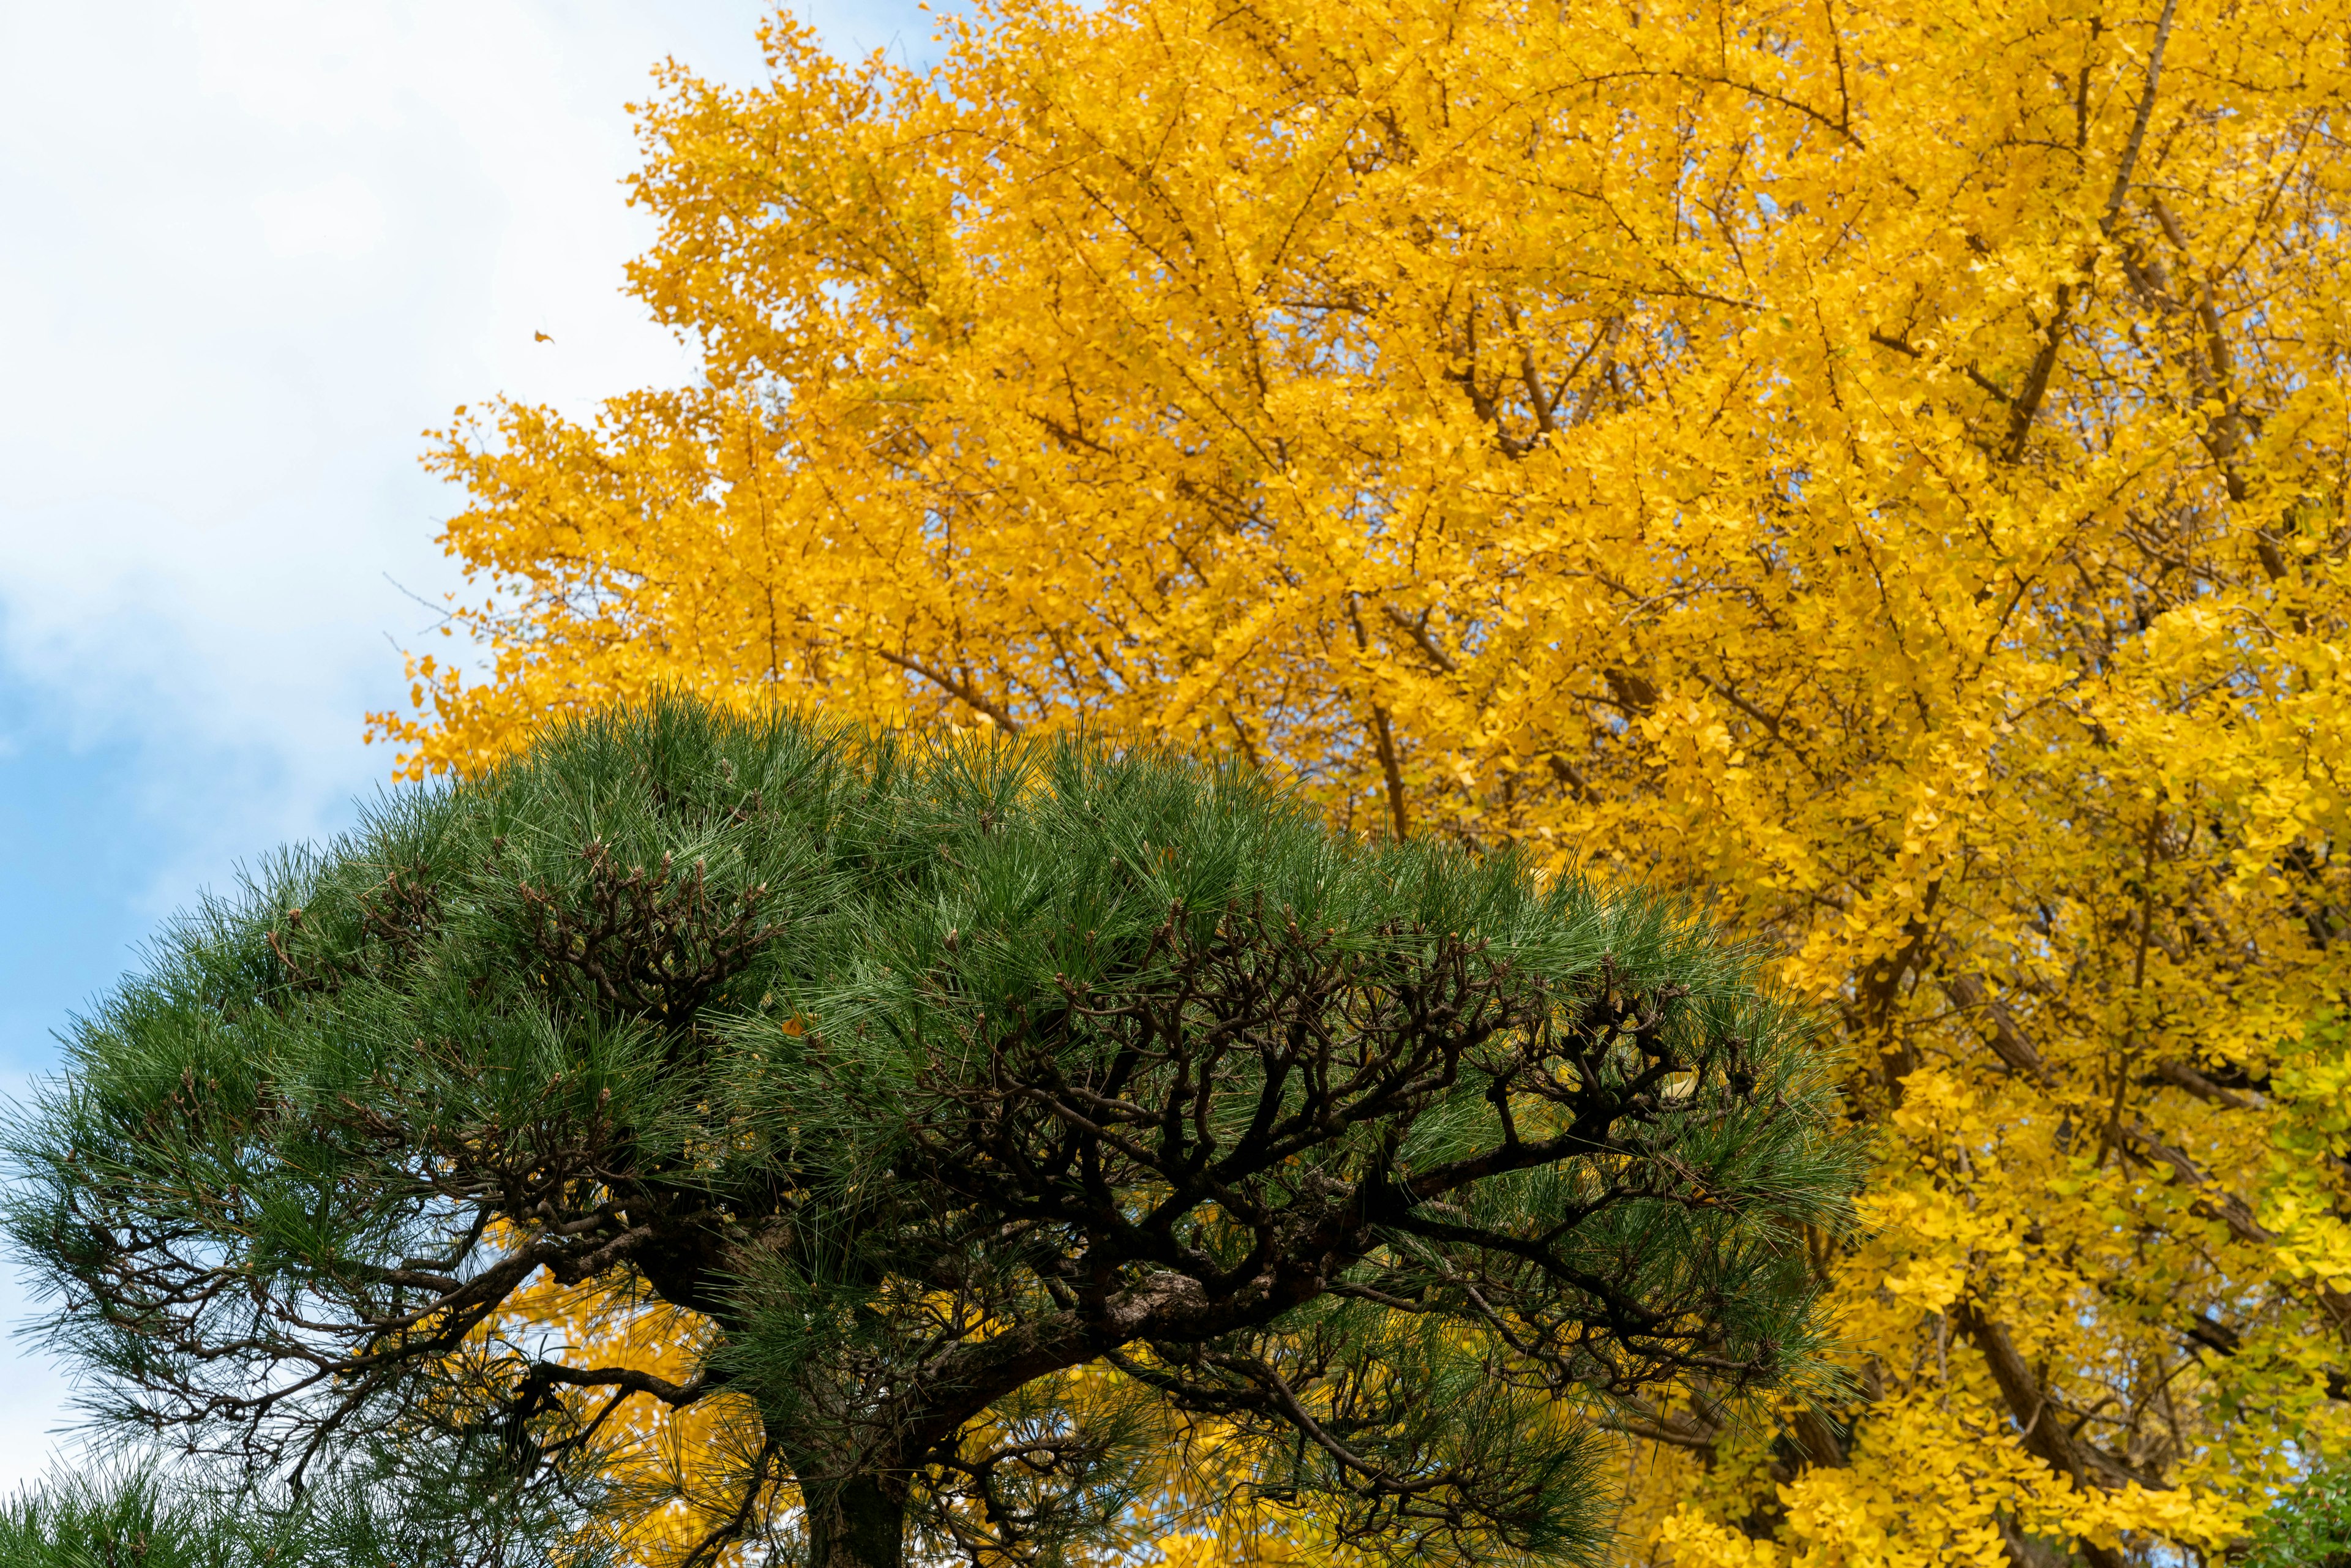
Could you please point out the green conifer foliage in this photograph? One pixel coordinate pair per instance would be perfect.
(1013, 1112)
(149, 1515)
(131, 1519)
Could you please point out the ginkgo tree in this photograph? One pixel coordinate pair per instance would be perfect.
(1880, 468)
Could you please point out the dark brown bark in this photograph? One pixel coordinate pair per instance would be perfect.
(2041, 1425)
(1385, 739)
(859, 1522)
(2001, 1032)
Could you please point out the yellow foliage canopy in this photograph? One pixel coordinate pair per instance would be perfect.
(1880, 467)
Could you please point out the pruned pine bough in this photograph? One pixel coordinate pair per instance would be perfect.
(1024, 1120)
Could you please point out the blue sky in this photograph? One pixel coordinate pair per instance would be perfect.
(251, 250)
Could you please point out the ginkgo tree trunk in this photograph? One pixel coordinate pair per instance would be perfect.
(1879, 467)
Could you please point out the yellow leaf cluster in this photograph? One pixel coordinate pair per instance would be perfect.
(1879, 467)
(677, 1473)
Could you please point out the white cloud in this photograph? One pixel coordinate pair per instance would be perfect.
(253, 248)
(338, 218)
(301, 66)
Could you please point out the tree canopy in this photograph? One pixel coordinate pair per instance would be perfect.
(1879, 468)
(1006, 1113)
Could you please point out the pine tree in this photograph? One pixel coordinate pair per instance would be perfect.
(1012, 1116)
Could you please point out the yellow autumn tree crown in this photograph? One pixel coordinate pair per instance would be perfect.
(1879, 468)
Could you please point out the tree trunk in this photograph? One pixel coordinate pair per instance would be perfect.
(856, 1523)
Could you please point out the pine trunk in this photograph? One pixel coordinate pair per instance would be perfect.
(857, 1523)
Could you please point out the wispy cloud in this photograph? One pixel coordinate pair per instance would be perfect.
(253, 248)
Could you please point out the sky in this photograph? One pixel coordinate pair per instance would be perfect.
(249, 251)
